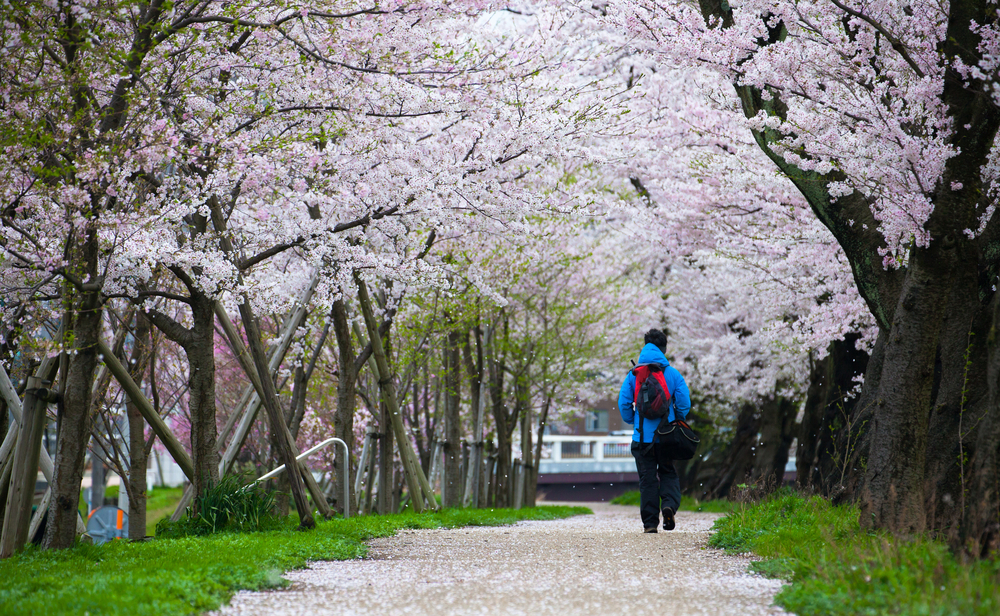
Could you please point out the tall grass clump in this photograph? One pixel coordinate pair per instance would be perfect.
(229, 504)
(836, 567)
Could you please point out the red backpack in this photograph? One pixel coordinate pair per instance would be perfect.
(652, 396)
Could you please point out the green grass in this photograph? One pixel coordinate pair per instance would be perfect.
(687, 503)
(838, 568)
(191, 575)
(160, 503)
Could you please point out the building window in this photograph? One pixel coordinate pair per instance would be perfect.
(597, 421)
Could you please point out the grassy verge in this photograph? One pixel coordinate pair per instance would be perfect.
(837, 568)
(160, 503)
(687, 503)
(194, 574)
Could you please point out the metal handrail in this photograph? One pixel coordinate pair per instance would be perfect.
(309, 452)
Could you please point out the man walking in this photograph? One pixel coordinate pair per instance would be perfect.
(665, 395)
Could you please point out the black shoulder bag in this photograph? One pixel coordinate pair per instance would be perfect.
(677, 438)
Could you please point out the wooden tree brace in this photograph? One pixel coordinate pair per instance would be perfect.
(155, 422)
(420, 491)
(22, 482)
(246, 363)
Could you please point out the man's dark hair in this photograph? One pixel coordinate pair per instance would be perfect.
(656, 337)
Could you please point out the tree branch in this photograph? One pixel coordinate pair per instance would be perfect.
(895, 42)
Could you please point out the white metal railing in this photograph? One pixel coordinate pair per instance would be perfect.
(559, 448)
(309, 452)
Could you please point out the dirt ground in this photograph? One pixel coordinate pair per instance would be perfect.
(599, 564)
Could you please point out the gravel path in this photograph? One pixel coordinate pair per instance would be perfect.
(600, 564)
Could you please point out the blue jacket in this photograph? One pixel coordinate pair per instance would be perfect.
(680, 396)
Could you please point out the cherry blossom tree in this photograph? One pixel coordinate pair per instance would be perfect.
(883, 116)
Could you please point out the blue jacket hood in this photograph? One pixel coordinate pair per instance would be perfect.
(680, 396)
(651, 354)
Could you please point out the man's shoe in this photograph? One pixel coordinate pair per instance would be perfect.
(668, 518)
(650, 530)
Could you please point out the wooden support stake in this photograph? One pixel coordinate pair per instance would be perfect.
(250, 398)
(362, 467)
(7, 390)
(246, 363)
(36, 519)
(276, 419)
(420, 491)
(14, 406)
(155, 422)
(249, 406)
(25, 470)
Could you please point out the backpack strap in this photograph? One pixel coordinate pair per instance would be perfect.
(635, 396)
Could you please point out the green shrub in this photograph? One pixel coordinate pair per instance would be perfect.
(836, 567)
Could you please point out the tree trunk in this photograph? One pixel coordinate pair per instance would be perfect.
(759, 449)
(929, 397)
(25, 469)
(138, 454)
(74, 425)
(893, 493)
(502, 422)
(200, 351)
(452, 485)
(543, 419)
(960, 402)
(473, 479)
(385, 460)
(980, 527)
(347, 383)
(523, 396)
(828, 434)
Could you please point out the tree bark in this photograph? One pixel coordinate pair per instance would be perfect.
(759, 449)
(829, 434)
(475, 371)
(522, 393)
(385, 461)
(198, 343)
(138, 454)
(502, 421)
(980, 528)
(25, 469)
(543, 419)
(452, 484)
(74, 425)
(421, 494)
(347, 383)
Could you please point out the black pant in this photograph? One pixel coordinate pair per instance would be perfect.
(659, 486)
